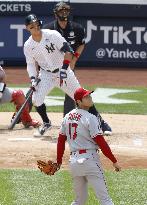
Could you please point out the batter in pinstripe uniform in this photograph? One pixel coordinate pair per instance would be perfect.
(82, 131)
(51, 52)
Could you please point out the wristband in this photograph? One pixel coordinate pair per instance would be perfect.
(32, 77)
(76, 54)
(65, 64)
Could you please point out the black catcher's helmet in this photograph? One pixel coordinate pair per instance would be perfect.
(62, 6)
(31, 18)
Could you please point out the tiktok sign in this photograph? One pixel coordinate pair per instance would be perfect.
(117, 40)
(108, 40)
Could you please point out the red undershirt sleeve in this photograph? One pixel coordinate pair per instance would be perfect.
(99, 139)
(60, 147)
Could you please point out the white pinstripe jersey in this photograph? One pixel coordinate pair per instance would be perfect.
(46, 52)
(80, 127)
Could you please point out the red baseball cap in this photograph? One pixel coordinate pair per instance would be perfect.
(80, 93)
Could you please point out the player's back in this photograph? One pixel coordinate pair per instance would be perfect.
(80, 127)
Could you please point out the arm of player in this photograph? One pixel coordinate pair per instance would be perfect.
(76, 56)
(32, 68)
(66, 62)
(2, 88)
(81, 45)
(2, 81)
(31, 64)
(2, 75)
(60, 148)
(100, 141)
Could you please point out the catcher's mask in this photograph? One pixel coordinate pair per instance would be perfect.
(32, 18)
(62, 11)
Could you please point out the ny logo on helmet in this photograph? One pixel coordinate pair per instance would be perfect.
(50, 48)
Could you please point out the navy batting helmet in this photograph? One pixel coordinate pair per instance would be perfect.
(31, 19)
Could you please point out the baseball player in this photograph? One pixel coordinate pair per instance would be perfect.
(82, 131)
(74, 34)
(48, 49)
(18, 98)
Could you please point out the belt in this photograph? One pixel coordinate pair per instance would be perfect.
(54, 71)
(82, 151)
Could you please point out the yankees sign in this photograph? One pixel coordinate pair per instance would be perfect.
(107, 40)
(111, 39)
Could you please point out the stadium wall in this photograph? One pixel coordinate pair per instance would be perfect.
(116, 34)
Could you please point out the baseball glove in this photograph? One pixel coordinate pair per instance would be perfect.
(49, 168)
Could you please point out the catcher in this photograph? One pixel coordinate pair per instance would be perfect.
(84, 135)
(16, 97)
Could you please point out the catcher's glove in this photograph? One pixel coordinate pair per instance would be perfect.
(49, 167)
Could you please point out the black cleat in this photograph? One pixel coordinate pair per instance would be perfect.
(43, 129)
(106, 128)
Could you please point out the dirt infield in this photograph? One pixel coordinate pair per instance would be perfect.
(18, 148)
(92, 76)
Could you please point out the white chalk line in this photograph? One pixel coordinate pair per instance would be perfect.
(22, 139)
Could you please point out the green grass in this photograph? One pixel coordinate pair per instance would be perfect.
(130, 108)
(30, 187)
(6, 194)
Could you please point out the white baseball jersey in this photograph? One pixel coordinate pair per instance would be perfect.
(46, 52)
(49, 57)
(80, 127)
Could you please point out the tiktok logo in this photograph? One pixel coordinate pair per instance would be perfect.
(118, 34)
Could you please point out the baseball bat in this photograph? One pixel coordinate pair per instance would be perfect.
(17, 116)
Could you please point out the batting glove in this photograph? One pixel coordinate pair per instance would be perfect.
(34, 83)
(63, 76)
(63, 71)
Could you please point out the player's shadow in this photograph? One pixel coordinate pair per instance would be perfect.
(51, 139)
(4, 131)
